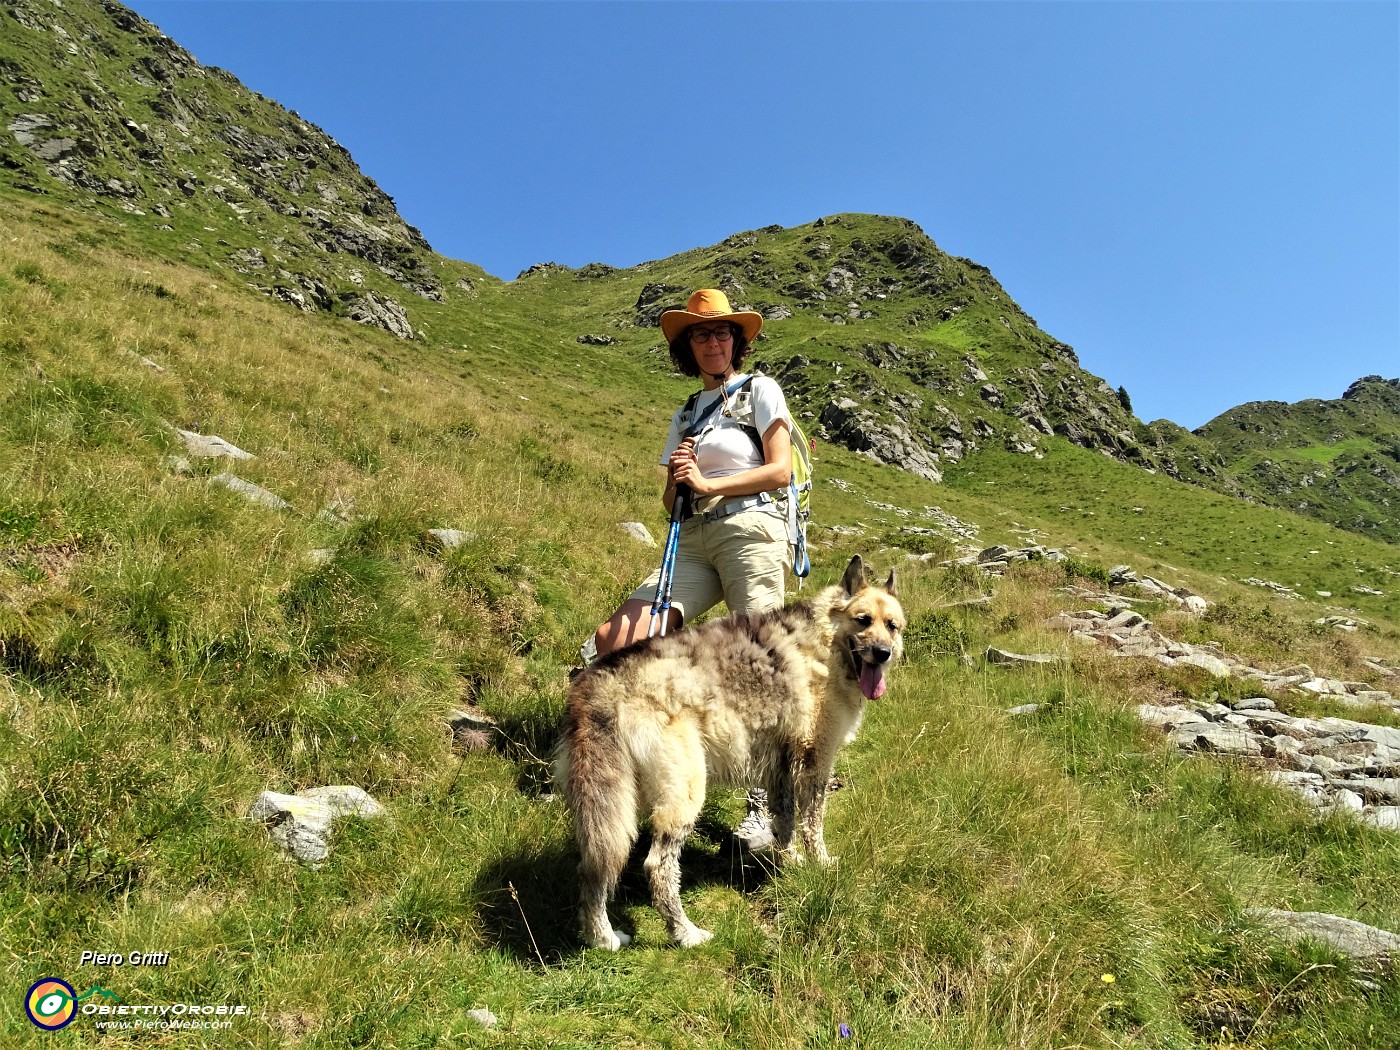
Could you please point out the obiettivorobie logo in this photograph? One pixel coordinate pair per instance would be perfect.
(52, 1004)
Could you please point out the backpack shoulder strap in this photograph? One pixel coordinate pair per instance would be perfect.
(687, 410)
(691, 426)
(741, 409)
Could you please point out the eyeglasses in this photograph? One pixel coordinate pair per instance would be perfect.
(702, 335)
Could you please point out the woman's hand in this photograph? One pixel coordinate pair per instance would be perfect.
(685, 470)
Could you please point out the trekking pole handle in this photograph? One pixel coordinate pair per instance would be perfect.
(678, 504)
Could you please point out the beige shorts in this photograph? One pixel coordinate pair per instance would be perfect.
(739, 560)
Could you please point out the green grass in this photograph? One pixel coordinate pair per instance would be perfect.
(168, 650)
(1205, 540)
(1328, 453)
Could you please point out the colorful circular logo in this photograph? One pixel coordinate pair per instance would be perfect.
(51, 1004)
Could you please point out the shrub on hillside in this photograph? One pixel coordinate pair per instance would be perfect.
(1076, 568)
(935, 634)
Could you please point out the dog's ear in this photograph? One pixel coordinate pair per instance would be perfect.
(854, 580)
(889, 585)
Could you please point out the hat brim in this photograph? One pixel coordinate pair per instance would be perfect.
(674, 322)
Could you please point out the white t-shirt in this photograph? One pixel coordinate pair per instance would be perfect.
(724, 448)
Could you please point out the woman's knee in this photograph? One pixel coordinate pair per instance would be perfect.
(605, 639)
(630, 624)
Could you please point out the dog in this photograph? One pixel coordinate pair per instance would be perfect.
(752, 698)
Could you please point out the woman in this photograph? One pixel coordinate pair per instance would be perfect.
(733, 541)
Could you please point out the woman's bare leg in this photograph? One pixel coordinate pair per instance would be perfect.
(631, 623)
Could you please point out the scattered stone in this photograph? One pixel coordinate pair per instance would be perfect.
(336, 512)
(146, 361)
(1002, 658)
(302, 824)
(958, 530)
(449, 539)
(1208, 662)
(1255, 703)
(994, 560)
(1128, 634)
(1277, 588)
(1386, 818)
(1195, 604)
(1341, 623)
(639, 532)
(483, 1017)
(1121, 576)
(981, 601)
(1215, 737)
(380, 311)
(1380, 668)
(246, 259)
(1023, 709)
(1364, 944)
(1335, 764)
(1323, 687)
(254, 493)
(211, 446)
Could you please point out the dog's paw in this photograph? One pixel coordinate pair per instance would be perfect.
(612, 941)
(789, 858)
(693, 937)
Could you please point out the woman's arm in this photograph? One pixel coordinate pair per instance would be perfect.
(774, 474)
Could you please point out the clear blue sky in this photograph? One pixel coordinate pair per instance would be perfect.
(1202, 198)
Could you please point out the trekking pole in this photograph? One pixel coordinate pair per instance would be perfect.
(661, 604)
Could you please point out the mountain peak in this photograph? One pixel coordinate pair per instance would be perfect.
(1373, 386)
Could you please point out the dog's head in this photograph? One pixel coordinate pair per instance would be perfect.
(869, 628)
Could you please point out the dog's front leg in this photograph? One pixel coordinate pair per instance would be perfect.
(782, 809)
(811, 812)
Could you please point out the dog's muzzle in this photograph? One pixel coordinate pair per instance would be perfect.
(869, 662)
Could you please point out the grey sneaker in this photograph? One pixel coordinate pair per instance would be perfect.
(588, 651)
(755, 831)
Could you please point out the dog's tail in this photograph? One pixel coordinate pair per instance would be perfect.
(600, 788)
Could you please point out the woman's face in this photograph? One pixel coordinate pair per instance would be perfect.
(712, 343)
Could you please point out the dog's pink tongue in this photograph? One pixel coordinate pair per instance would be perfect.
(872, 680)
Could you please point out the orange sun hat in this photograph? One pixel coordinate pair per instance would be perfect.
(709, 304)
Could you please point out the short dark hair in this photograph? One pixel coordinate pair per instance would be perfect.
(683, 357)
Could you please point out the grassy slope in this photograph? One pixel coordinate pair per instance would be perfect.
(1170, 529)
(169, 651)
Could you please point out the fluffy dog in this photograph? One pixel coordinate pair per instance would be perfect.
(766, 698)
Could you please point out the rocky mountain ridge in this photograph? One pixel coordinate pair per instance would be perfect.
(1337, 460)
(105, 110)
